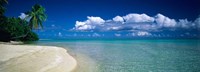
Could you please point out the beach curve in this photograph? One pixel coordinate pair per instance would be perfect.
(26, 58)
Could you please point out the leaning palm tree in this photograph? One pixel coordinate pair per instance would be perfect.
(2, 9)
(37, 16)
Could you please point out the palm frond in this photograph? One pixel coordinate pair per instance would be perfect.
(37, 15)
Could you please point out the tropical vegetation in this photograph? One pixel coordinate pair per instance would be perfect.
(16, 29)
(37, 16)
(2, 8)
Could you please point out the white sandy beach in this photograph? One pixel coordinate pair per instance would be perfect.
(24, 58)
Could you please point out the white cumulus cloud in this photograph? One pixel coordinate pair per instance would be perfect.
(116, 34)
(164, 21)
(95, 20)
(135, 22)
(143, 33)
(24, 16)
(96, 35)
(89, 24)
(83, 26)
(138, 18)
(184, 23)
(197, 22)
(118, 19)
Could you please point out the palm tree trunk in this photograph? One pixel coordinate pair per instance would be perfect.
(20, 36)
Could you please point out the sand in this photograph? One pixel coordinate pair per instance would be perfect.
(25, 58)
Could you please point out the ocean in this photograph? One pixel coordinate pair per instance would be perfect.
(175, 55)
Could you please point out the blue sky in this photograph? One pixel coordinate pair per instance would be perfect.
(115, 18)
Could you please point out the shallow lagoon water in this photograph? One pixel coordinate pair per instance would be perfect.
(132, 55)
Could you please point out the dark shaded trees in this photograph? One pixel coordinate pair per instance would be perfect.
(15, 29)
(2, 8)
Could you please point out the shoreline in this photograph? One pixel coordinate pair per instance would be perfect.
(30, 58)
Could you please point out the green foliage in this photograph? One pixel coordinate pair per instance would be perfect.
(20, 30)
(2, 8)
(37, 16)
(31, 36)
(15, 26)
(17, 30)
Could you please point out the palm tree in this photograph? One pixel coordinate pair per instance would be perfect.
(2, 9)
(37, 16)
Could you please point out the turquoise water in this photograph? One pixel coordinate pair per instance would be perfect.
(132, 55)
